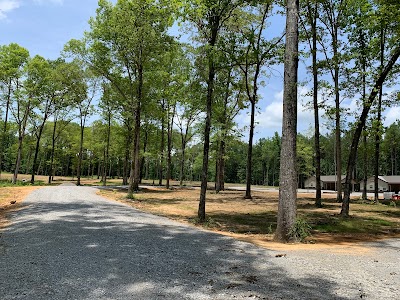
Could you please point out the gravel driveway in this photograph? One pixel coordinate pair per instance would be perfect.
(69, 243)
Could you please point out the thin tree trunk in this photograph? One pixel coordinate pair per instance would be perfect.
(250, 150)
(4, 136)
(135, 167)
(379, 122)
(365, 158)
(80, 155)
(21, 135)
(126, 167)
(18, 160)
(220, 172)
(182, 164)
(288, 175)
(107, 154)
(162, 146)
(338, 136)
(210, 91)
(53, 147)
(35, 158)
(313, 14)
(142, 164)
(169, 145)
(220, 186)
(360, 125)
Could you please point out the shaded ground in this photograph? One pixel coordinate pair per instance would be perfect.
(68, 243)
(255, 220)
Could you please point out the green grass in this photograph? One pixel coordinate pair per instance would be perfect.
(8, 183)
(337, 224)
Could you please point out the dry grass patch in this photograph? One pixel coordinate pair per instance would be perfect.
(255, 220)
(11, 198)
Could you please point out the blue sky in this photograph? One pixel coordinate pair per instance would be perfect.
(44, 26)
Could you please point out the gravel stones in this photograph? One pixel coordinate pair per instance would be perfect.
(69, 243)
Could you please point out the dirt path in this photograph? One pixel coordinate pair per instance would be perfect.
(69, 243)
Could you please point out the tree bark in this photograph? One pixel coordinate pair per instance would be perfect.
(4, 136)
(313, 14)
(379, 122)
(360, 125)
(338, 135)
(35, 158)
(250, 150)
(142, 164)
(53, 147)
(107, 152)
(288, 175)
(21, 135)
(169, 145)
(162, 146)
(215, 22)
(80, 156)
(220, 182)
(365, 158)
(135, 167)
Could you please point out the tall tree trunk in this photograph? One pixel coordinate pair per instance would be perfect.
(313, 15)
(53, 147)
(35, 158)
(288, 175)
(215, 23)
(80, 156)
(142, 163)
(18, 160)
(135, 167)
(360, 125)
(220, 172)
(104, 168)
(220, 182)
(182, 164)
(126, 166)
(338, 135)
(107, 152)
(162, 146)
(21, 135)
(169, 145)
(365, 158)
(250, 150)
(379, 122)
(4, 138)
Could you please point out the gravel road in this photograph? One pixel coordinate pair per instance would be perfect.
(69, 243)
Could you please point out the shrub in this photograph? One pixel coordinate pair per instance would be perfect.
(300, 230)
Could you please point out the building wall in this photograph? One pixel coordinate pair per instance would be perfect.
(310, 182)
(382, 186)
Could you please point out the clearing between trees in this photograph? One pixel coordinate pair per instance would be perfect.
(252, 220)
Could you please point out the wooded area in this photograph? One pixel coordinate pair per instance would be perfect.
(132, 100)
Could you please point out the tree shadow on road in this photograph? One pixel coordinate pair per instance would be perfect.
(97, 249)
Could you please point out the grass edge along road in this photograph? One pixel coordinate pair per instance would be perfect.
(249, 220)
(255, 220)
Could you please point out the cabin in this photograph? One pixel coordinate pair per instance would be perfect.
(328, 182)
(385, 184)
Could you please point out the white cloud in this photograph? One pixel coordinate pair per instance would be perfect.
(7, 6)
(271, 116)
(48, 1)
(392, 115)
